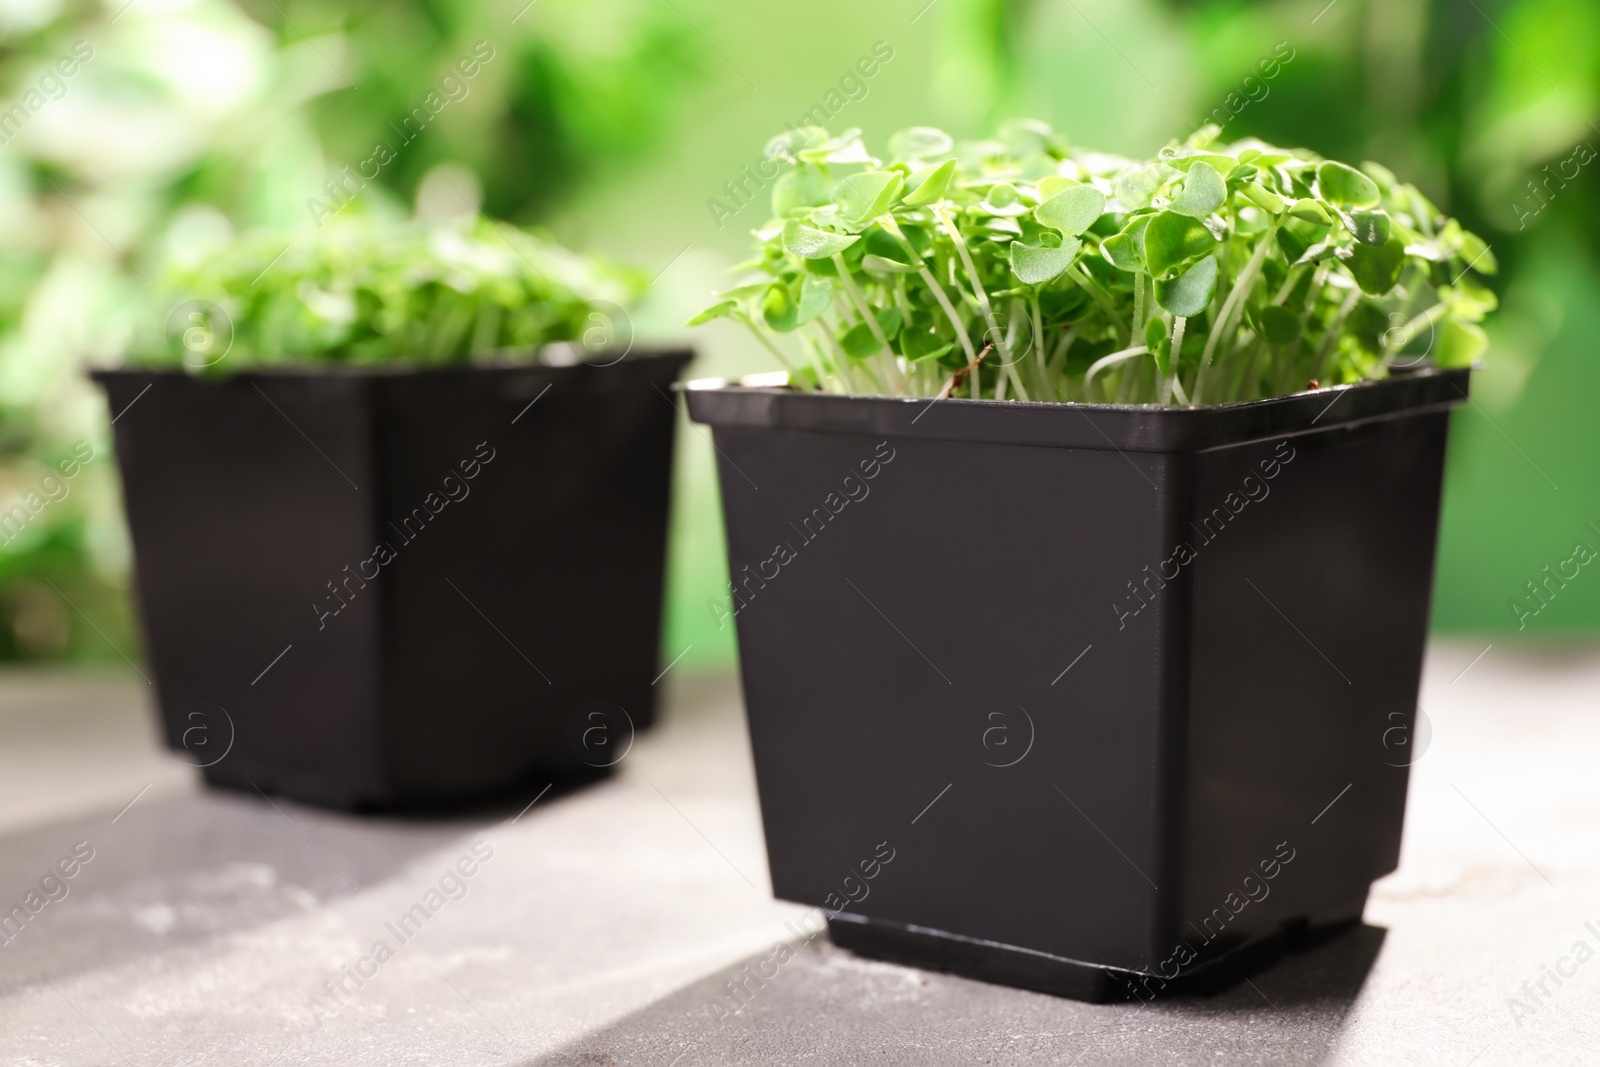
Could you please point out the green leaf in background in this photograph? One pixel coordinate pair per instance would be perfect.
(1171, 239)
(1376, 268)
(800, 187)
(1345, 187)
(1072, 210)
(1002, 200)
(884, 265)
(931, 186)
(808, 242)
(1467, 301)
(1263, 198)
(1158, 339)
(1278, 325)
(919, 143)
(1037, 265)
(1134, 189)
(1223, 165)
(859, 342)
(1459, 344)
(1202, 193)
(844, 149)
(1310, 211)
(715, 311)
(362, 292)
(867, 195)
(816, 295)
(921, 345)
(1477, 254)
(778, 311)
(1368, 227)
(1190, 292)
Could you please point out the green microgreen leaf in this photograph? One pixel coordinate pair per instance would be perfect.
(918, 143)
(1134, 189)
(1171, 239)
(1223, 165)
(816, 295)
(808, 242)
(1368, 227)
(779, 311)
(799, 188)
(1052, 184)
(1278, 325)
(1202, 193)
(1346, 187)
(867, 195)
(1263, 198)
(930, 185)
(1072, 210)
(1311, 211)
(1003, 200)
(715, 311)
(1190, 292)
(1376, 268)
(1055, 258)
(1459, 343)
(859, 342)
(1036, 265)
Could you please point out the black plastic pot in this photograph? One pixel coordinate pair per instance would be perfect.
(370, 589)
(1121, 693)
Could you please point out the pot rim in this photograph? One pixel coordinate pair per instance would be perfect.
(642, 358)
(1051, 424)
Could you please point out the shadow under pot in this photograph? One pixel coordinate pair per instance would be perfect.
(1105, 702)
(380, 588)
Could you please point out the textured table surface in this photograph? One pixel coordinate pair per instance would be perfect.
(604, 923)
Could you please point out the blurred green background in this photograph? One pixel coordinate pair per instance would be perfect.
(615, 124)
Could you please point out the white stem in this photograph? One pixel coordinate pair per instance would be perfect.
(1105, 361)
(1064, 346)
(977, 284)
(934, 287)
(1235, 300)
(1177, 387)
(1179, 324)
(860, 302)
(1041, 370)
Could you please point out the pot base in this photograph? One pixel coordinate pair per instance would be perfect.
(273, 780)
(990, 961)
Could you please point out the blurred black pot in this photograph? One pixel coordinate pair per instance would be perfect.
(400, 587)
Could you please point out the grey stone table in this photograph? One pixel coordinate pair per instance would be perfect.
(602, 925)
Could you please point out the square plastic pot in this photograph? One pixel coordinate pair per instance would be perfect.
(399, 588)
(1125, 696)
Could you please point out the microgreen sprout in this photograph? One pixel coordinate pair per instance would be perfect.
(361, 291)
(1022, 268)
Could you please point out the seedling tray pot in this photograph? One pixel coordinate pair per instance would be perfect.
(1125, 694)
(399, 587)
